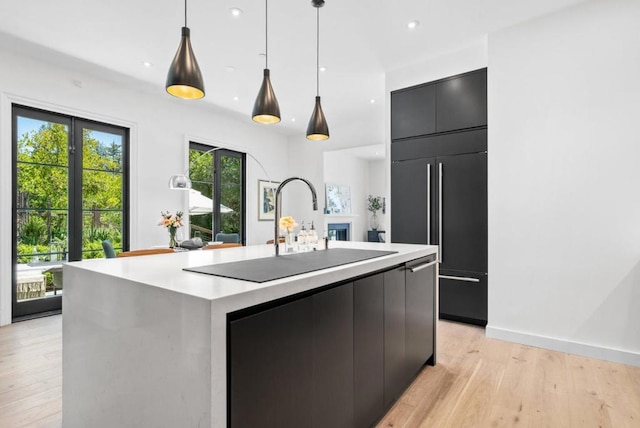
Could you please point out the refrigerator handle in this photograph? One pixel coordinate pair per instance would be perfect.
(440, 238)
(428, 204)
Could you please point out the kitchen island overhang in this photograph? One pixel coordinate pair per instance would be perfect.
(145, 343)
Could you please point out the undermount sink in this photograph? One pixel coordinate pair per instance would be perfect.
(277, 267)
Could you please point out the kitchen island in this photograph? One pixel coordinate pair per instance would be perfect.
(146, 343)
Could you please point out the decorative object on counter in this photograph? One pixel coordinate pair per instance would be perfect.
(172, 222)
(184, 79)
(338, 199)
(266, 109)
(374, 203)
(317, 129)
(267, 200)
(287, 225)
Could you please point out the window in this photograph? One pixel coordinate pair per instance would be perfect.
(217, 198)
(69, 194)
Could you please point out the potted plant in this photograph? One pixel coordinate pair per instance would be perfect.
(374, 203)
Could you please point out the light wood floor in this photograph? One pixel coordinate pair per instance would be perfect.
(478, 382)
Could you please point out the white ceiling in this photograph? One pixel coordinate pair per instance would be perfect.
(360, 41)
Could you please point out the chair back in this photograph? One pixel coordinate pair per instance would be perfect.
(231, 238)
(108, 249)
(145, 252)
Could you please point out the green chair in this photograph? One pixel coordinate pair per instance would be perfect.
(108, 249)
(228, 238)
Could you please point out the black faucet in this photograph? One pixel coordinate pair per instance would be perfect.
(276, 240)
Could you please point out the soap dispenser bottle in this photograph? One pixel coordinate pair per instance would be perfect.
(312, 237)
(302, 238)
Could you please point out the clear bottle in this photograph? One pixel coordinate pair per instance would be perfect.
(312, 237)
(302, 239)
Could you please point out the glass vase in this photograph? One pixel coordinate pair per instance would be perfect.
(172, 237)
(290, 242)
(373, 222)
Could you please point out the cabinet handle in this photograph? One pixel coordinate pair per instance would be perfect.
(424, 266)
(459, 278)
(428, 204)
(440, 238)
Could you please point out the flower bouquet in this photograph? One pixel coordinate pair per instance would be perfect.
(172, 222)
(287, 224)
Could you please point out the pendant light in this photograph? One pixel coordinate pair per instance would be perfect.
(184, 79)
(317, 128)
(266, 109)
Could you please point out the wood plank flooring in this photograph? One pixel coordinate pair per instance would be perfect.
(478, 382)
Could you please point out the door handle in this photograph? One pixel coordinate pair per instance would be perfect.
(440, 238)
(423, 266)
(428, 204)
(459, 278)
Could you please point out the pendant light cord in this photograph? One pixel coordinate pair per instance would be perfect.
(318, 51)
(266, 33)
(185, 13)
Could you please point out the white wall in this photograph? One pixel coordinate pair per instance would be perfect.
(564, 181)
(470, 58)
(160, 127)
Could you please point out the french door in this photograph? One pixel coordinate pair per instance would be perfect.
(217, 198)
(70, 188)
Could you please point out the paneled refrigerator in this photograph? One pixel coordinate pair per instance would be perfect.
(442, 200)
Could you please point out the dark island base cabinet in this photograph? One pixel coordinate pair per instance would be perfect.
(336, 358)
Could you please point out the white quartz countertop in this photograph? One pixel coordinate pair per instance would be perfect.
(166, 270)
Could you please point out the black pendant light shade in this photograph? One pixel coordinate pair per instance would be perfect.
(266, 109)
(317, 128)
(184, 79)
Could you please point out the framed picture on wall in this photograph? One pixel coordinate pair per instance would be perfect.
(267, 200)
(338, 199)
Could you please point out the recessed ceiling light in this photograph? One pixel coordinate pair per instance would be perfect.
(230, 68)
(372, 101)
(235, 12)
(293, 119)
(323, 68)
(147, 64)
(235, 98)
(413, 24)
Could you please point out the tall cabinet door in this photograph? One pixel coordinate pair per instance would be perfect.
(413, 209)
(462, 212)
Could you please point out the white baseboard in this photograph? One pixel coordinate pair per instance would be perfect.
(554, 344)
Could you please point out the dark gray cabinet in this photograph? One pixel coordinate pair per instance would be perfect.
(414, 112)
(412, 190)
(368, 350)
(449, 210)
(396, 375)
(333, 357)
(462, 212)
(451, 104)
(271, 367)
(463, 296)
(419, 313)
(462, 101)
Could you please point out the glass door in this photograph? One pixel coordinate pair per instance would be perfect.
(217, 198)
(69, 195)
